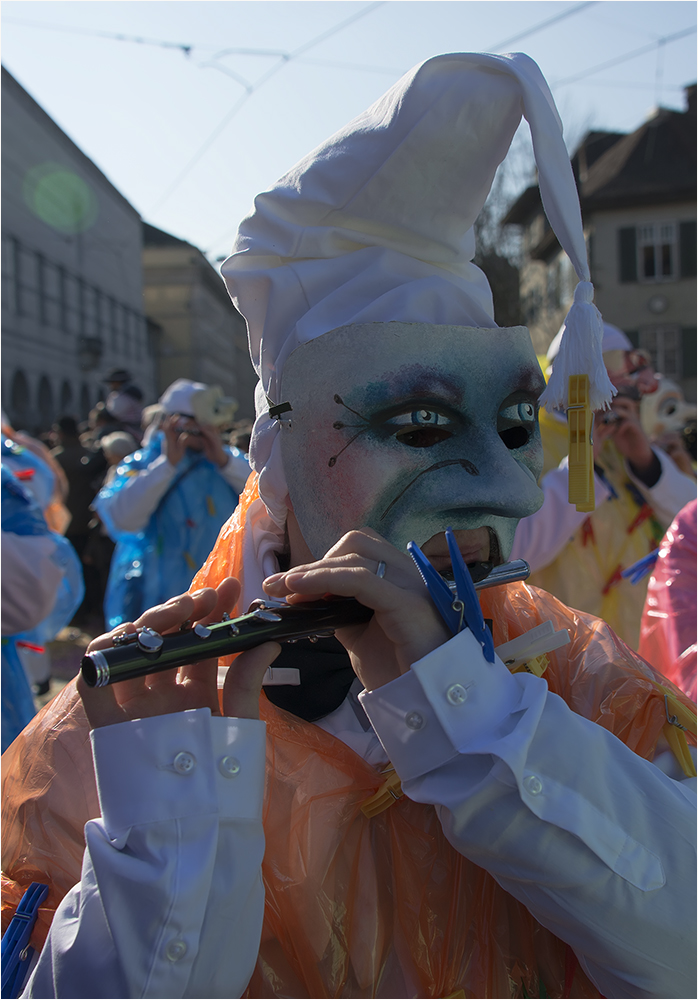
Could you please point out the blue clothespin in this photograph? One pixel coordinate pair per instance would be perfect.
(641, 568)
(460, 612)
(16, 952)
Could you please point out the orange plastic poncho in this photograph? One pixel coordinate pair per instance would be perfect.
(353, 905)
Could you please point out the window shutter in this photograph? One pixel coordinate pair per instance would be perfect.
(627, 252)
(687, 249)
(688, 351)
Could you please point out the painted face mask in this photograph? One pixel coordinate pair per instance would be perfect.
(666, 410)
(410, 428)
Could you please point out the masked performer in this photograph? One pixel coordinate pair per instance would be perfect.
(540, 843)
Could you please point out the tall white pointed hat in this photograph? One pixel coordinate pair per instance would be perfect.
(376, 225)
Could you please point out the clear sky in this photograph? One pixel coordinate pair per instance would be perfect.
(190, 136)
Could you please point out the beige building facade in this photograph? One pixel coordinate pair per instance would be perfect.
(72, 294)
(638, 198)
(200, 335)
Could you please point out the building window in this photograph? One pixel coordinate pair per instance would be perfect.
(45, 402)
(62, 299)
(650, 253)
(19, 399)
(66, 398)
(41, 288)
(657, 252)
(665, 349)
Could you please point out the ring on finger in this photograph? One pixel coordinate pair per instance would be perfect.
(380, 570)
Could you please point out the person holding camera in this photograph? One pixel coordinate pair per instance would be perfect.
(167, 502)
(580, 557)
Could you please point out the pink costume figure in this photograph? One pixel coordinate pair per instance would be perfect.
(668, 630)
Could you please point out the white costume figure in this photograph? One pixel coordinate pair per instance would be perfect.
(532, 848)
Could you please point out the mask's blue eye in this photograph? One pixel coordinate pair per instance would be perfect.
(420, 428)
(516, 424)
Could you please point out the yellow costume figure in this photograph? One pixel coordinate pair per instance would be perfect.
(587, 572)
(580, 559)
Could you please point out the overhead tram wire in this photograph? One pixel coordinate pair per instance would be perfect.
(111, 35)
(283, 61)
(541, 25)
(624, 58)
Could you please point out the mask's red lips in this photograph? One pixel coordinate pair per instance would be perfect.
(474, 544)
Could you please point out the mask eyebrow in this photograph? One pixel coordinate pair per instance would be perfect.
(528, 379)
(415, 381)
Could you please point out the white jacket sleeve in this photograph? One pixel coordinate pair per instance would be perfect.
(672, 491)
(170, 902)
(541, 537)
(130, 507)
(595, 841)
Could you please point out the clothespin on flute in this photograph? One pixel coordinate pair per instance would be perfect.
(580, 421)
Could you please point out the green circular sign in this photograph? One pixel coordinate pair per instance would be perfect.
(60, 198)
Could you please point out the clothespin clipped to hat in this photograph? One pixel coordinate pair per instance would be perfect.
(460, 612)
(580, 384)
(276, 411)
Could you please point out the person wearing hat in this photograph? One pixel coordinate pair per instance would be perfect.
(580, 557)
(166, 503)
(125, 400)
(409, 818)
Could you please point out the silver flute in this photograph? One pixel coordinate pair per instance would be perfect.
(145, 651)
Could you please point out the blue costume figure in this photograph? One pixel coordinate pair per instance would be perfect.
(42, 587)
(35, 475)
(167, 502)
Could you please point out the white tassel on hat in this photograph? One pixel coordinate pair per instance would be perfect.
(580, 352)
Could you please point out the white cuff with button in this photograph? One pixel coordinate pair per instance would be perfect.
(446, 704)
(184, 764)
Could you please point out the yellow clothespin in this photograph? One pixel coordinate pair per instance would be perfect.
(537, 665)
(581, 445)
(681, 721)
(389, 792)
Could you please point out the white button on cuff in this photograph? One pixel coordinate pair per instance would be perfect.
(184, 763)
(456, 694)
(413, 720)
(533, 784)
(175, 950)
(229, 766)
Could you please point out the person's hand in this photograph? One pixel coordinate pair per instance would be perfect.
(175, 439)
(213, 446)
(673, 444)
(193, 686)
(629, 438)
(604, 424)
(406, 625)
